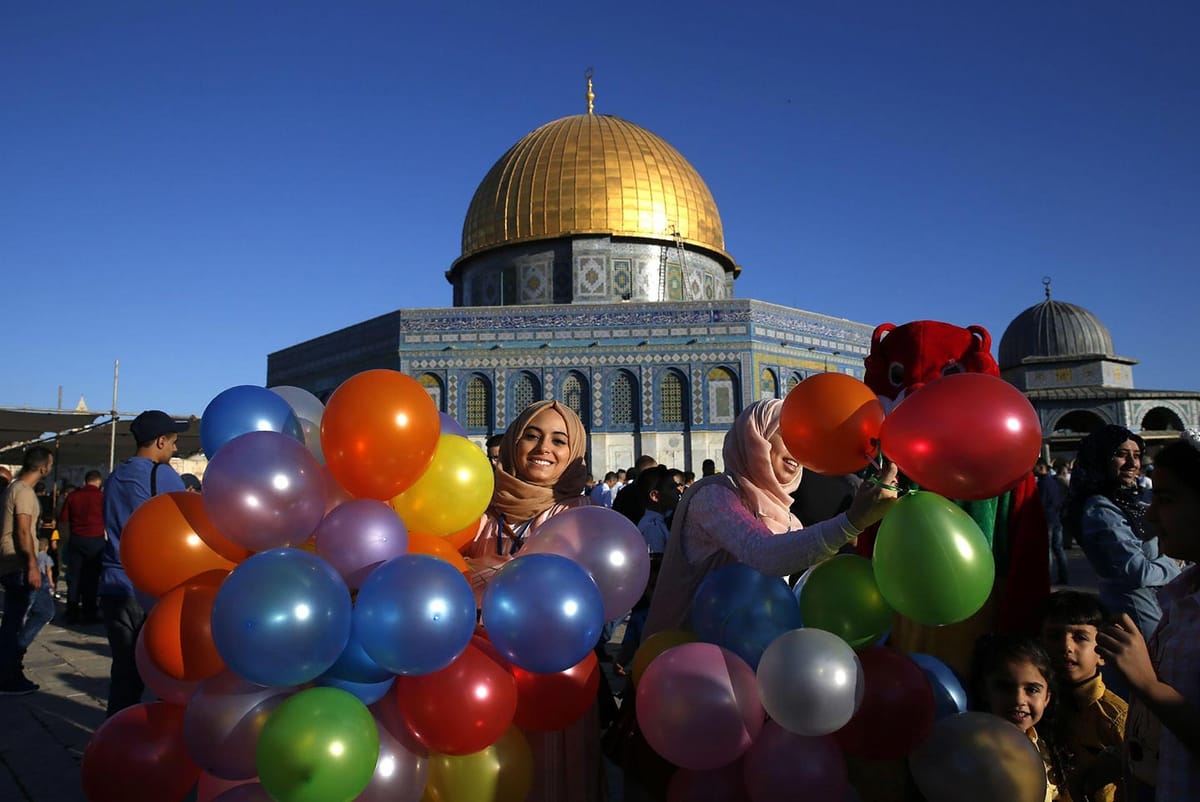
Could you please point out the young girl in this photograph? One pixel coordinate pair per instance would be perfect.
(1162, 733)
(1011, 677)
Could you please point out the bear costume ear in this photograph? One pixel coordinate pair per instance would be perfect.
(983, 339)
(881, 331)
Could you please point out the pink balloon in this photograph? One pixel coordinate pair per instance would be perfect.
(335, 494)
(607, 545)
(161, 684)
(211, 787)
(715, 785)
(222, 723)
(780, 762)
(698, 707)
(360, 535)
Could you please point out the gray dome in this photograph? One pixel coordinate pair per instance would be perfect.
(1053, 329)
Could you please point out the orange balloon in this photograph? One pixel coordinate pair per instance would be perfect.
(829, 421)
(465, 535)
(421, 543)
(169, 539)
(178, 632)
(378, 433)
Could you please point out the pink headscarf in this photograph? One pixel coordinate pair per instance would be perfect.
(747, 454)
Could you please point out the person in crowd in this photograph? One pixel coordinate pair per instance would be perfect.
(5, 478)
(630, 500)
(820, 497)
(708, 468)
(1091, 717)
(602, 493)
(20, 575)
(493, 449)
(41, 602)
(1052, 491)
(1106, 518)
(1011, 677)
(82, 517)
(1162, 733)
(134, 482)
(47, 525)
(541, 473)
(192, 483)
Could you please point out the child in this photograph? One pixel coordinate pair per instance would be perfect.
(1162, 735)
(1091, 717)
(1011, 677)
(41, 601)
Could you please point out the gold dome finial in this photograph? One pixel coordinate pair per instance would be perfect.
(591, 96)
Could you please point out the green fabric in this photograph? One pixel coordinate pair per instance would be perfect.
(992, 516)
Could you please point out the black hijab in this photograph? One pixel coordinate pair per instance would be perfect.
(1090, 477)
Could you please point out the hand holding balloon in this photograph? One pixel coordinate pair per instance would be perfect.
(874, 497)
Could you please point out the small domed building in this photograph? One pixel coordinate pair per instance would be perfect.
(1062, 357)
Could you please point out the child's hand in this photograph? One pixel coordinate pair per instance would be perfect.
(1122, 646)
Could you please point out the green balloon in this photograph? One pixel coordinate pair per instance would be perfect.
(932, 562)
(320, 745)
(840, 596)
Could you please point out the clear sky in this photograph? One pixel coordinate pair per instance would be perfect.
(188, 187)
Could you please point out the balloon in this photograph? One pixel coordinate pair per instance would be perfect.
(501, 773)
(895, 690)
(655, 645)
(966, 436)
(379, 433)
(840, 596)
(358, 536)
(308, 410)
(608, 546)
(780, 762)
(980, 757)
(264, 490)
(810, 682)
(464, 707)
(320, 745)
(414, 614)
(450, 425)
(210, 788)
(164, 686)
(366, 692)
(949, 696)
(828, 423)
(715, 785)
(282, 617)
(356, 665)
(743, 610)
(932, 562)
(166, 542)
(223, 722)
(248, 792)
(697, 706)
(452, 492)
(242, 409)
(335, 494)
(462, 537)
(547, 702)
(138, 756)
(434, 546)
(178, 631)
(543, 612)
(400, 772)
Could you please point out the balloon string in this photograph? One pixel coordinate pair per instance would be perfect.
(876, 462)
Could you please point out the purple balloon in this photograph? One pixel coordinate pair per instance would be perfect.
(451, 426)
(697, 706)
(715, 785)
(222, 723)
(250, 792)
(779, 762)
(360, 535)
(607, 545)
(400, 772)
(264, 490)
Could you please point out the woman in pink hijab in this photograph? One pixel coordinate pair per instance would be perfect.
(743, 515)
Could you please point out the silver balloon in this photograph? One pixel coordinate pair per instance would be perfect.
(810, 681)
(980, 757)
(308, 410)
(400, 774)
(222, 723)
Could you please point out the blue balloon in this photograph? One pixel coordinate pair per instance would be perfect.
(281, 618)
(356, 666)
(949, 697)
(414, 614)
(245, 408)
(743, 610)
(366, 692)
(543, 612)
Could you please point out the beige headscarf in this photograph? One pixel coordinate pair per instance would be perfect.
(518, 500)
(747, 454)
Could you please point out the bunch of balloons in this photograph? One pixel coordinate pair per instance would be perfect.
(312, 635)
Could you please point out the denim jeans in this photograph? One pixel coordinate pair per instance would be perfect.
(40, 613)
(1058, 556)
(16, 604)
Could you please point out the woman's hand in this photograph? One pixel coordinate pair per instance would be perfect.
(874, 497)
(1122, 646)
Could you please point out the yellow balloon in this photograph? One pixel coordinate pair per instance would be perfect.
(655, 645)
(454, 490)
(501, 773)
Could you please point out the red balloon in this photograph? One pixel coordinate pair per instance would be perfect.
(897, 709)
(548, 702)
(138, 756)
(828, 422)
(965, 436)
(463, 708)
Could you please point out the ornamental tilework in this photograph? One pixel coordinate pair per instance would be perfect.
(591, 277)
(535, 284)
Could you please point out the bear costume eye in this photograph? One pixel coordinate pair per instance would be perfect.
(896, 374)
(953, 367)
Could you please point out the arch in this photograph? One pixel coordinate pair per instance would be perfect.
(623, 401)
(573, 391)
(1162, 419)
(436, 389)
(672, 396)
(480, 412)
(1079, 421)
(523, 390)
(722, 395)
(768, 384)
(793, 379)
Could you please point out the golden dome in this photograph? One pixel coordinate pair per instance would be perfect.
(592, 174)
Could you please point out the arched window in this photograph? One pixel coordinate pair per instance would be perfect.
(722, 396)
(1079, 421)
(523, 393)
(574, 394)
(792, 381)
(623, 400)
(433, 386)
(1161, 419)
(672, 406)
(769, 384)
(479, 403)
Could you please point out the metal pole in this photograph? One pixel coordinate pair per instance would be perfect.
(112, 440)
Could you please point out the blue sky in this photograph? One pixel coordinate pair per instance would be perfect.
(189, 187)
